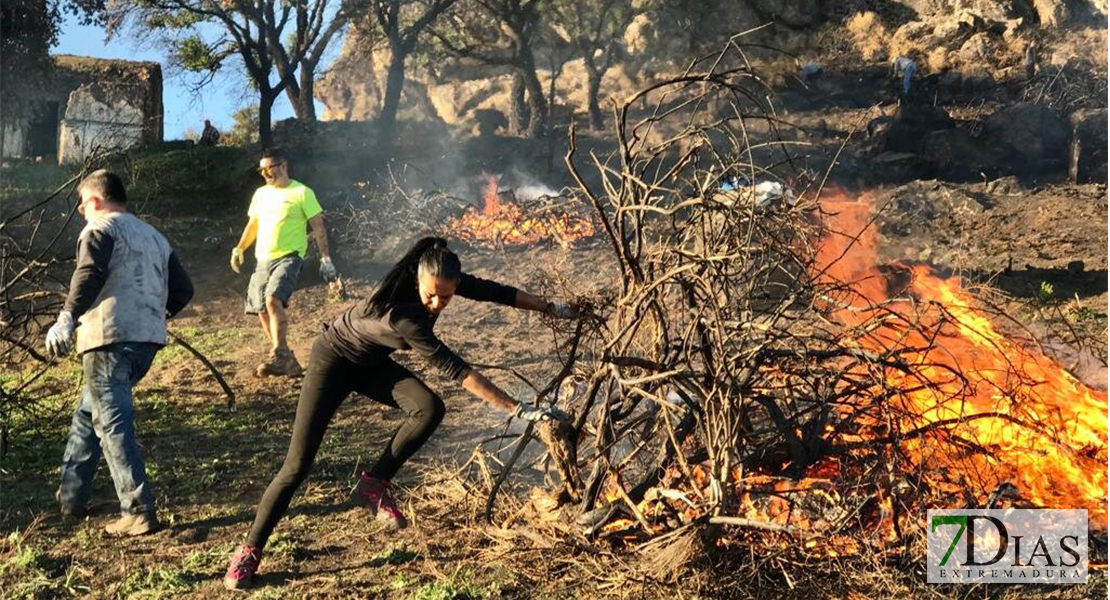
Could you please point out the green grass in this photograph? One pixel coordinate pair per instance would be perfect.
(28, 180)
(464, 585)
(29, 572)
(213, 343)
(196, 179)
(156, 581)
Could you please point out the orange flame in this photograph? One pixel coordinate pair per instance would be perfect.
(492, 202)
(503, 223)
(983, 387)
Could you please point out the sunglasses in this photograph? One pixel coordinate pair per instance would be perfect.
(267, 171)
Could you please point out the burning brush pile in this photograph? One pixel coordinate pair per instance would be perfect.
(502, 218)
(504, 222)
(756, 377)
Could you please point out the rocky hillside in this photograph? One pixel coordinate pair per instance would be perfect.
(968, 43)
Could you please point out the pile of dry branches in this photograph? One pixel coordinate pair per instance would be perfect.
(721, 388)
(31, 294)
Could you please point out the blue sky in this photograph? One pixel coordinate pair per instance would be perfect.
(183, 108)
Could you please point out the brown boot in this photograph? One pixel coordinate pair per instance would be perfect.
(268, 366)
(281, 362)
(132, 525)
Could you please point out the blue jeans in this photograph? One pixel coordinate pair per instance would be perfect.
(104, 424)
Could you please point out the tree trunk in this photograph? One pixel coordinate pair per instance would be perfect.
(265, 108)
(518, 109)
(303, 106)
(556, 72)
(537, 104)
(593, 88)
(394, 84)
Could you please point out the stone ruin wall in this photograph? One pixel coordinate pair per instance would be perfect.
(101, 104)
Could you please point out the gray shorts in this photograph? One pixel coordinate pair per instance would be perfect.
(275, 278)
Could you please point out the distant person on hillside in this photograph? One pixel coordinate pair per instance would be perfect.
(904, 67)
(353, 355)
(277, 219)
(127, 282)
(210, 136)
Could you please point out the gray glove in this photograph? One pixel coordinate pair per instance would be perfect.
(535, 414)
(237, 259)
(562, 311)
(60, 337)
(327, 269)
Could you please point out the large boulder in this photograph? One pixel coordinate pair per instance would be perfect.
(911, 124)
(797, 14)
(915, 37)
(348, 89)
(989, 10)
(976, 50)
(1087, 156)
(1052, 13)
(1037, 136)
(956, 155)
(354, 85)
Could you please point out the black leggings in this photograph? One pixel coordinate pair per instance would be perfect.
(329, 380)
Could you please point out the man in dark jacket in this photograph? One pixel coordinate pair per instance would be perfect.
(126, 283)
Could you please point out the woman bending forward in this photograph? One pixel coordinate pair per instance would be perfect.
(352, 355)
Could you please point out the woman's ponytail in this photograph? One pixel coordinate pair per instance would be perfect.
(429, 254)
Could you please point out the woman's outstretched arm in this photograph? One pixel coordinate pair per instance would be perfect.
(527, 301)
(477, 384)
(485, 290)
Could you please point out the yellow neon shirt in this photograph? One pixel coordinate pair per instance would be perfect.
(283, 215)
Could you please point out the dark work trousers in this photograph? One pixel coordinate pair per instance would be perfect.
(329, 380)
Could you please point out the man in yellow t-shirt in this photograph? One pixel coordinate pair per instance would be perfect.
(278, 216)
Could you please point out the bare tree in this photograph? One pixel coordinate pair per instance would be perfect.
(287, 37)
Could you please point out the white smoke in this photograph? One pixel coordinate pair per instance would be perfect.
(530, 192)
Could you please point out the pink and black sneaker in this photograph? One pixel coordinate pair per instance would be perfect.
(240, 574)
(373, 493)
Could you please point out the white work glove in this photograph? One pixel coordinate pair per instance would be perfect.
(327, 269)
(60, 337)
(236, 259)
(533, 413)
(562, 311)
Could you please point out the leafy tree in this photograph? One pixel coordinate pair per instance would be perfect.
(287, 37)
(244, 128)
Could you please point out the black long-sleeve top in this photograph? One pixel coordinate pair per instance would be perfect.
(362, 337)
(94, 253)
